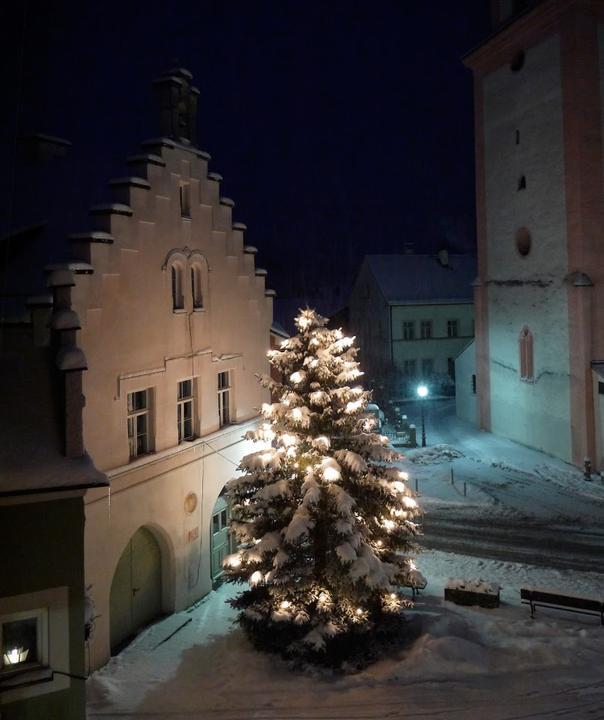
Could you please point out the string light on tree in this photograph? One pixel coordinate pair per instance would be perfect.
(324, 521)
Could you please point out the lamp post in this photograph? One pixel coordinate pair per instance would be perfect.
(422, 393)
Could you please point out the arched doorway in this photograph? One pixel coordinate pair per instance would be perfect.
(220, 538)
(136, 589)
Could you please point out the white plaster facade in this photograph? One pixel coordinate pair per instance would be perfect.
(139, 332)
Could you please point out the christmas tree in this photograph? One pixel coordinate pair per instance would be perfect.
(325, 523)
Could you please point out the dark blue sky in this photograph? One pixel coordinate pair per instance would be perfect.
(340, 128)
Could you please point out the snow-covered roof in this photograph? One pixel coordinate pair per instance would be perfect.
(416, 279)
(31, 451)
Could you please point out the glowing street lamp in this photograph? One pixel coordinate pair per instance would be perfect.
(422, 394)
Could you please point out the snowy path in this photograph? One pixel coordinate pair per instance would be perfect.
(467, 663)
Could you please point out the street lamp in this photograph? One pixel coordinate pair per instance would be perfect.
(422, 394)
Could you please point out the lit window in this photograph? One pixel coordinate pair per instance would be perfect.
(525, 343)
(178, 300)
(452, 328)
(185, 405)
(427, 367)
(425, 329)
(139, 420)
(23, 641)
(185, 200)
(196, 286)
(408, 330)
(224, 398)
(409, 368)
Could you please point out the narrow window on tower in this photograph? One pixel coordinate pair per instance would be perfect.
(178, 300)
(517, 137)
(224, 398)
(522, 182)
(185, 200)
(196, 286)
(525, 346)
(185, 407)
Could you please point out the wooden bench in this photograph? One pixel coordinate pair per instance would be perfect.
(572, 603)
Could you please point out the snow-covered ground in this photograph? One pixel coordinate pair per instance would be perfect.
(466, 663)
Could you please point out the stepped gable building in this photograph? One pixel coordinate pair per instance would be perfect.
(538, 86)
(172, 318)
(413, 312)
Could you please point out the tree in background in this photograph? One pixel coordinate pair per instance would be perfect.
(324, 521)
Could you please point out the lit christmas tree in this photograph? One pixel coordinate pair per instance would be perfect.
(324, 521)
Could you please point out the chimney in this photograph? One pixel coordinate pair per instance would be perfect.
(177, 99)
(443, 257)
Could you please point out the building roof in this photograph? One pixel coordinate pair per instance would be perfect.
(423, 279)
(31, 423)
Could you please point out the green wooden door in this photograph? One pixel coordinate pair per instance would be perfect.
(136, 588)
(219, 537)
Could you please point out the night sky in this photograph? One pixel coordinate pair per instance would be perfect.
(341, 128)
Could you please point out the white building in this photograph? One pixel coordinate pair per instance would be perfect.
(172, 319)
(413, 312)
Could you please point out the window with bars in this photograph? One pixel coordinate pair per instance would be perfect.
(139, 423)
(185, 405)
(224, 398)
(452, 328)
(425, 329)
(408, 330)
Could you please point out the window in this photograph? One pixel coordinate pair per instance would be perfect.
(425, 329)
(517, 137)
(139, 416)
(220, 521)
(473, 384)
(196, 286)
(184, 407)
(409, 368)
(427, 367)
(452, 328)
(451, 368)
(525, 342)
(224, 398)
(523, 241)
(178, 301)
(185, 200)
(23, 641)
(522, 182)
(408, 330)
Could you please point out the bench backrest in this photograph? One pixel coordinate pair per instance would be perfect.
(543, 596)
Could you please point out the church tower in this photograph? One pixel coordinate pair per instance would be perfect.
(540, 219)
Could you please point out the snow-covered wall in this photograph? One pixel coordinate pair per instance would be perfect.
(466, 399)
(523, 144)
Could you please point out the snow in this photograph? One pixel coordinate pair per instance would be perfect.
(473, 585)
(465, 663)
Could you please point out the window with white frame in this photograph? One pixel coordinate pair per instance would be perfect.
(139, 423)
(24, 641)
(224, 398)
(427, 367)
(452, 328)
(197, 286)
(425, 329)
(185, 407)
(178, 299)
(408, 330)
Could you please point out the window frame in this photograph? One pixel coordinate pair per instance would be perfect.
(526, 350)
(182, 401)
(132, 422)
(42, 648)
(184, 196)
(408, 329)
(197, 286)
(178, 296)
(225, 411)
(452, 328)
(425, 329)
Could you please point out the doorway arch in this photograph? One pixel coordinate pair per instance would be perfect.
(136, 589)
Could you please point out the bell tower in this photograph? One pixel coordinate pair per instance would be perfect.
(177, 99)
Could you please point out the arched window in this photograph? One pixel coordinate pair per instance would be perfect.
(197, 289)
(178, 300)
(525, 344)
